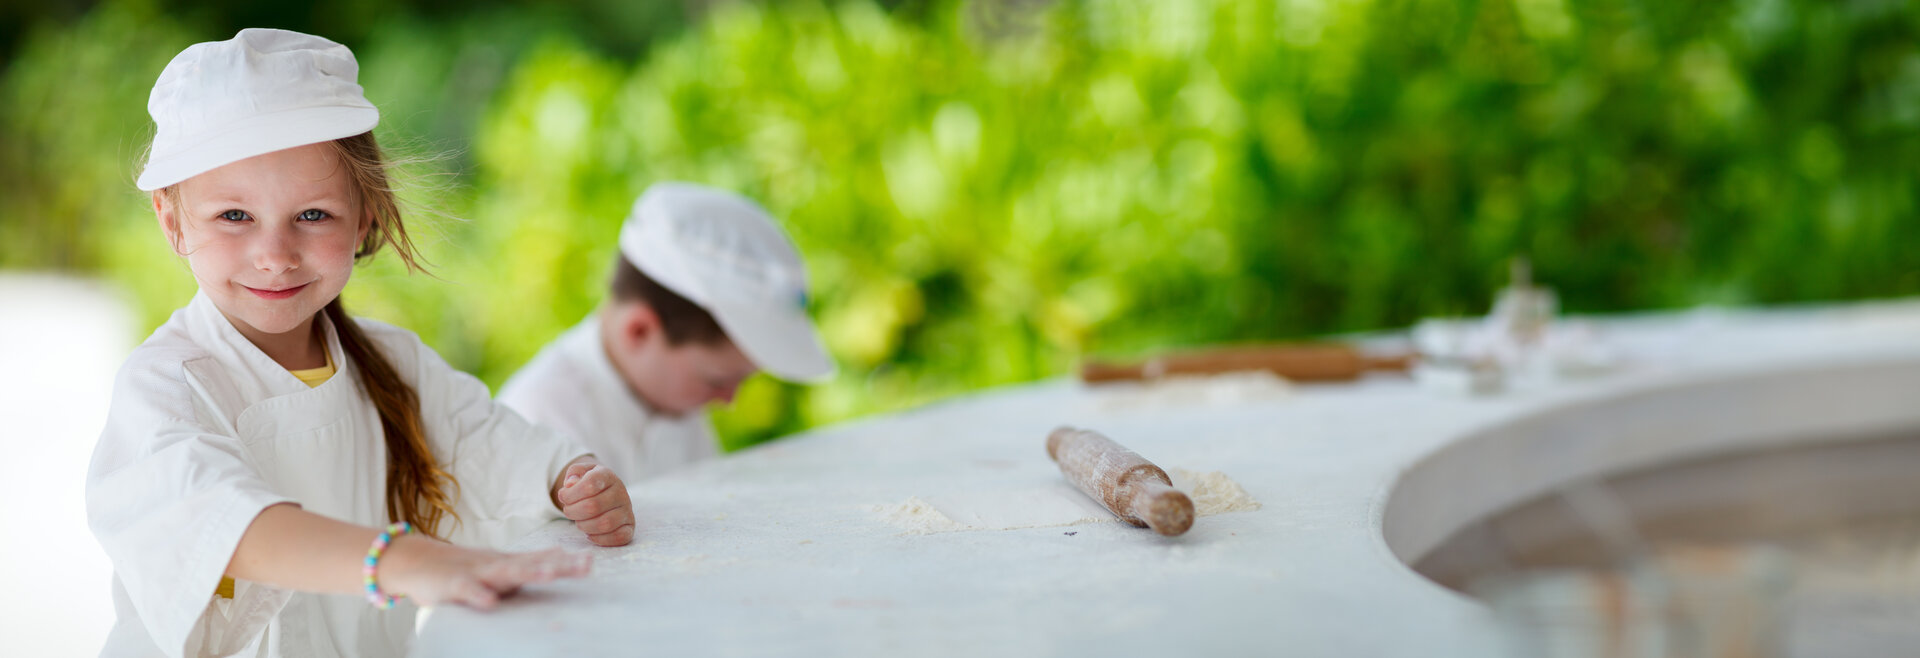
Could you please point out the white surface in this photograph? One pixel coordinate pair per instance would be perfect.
(61, 340)
(778, 551)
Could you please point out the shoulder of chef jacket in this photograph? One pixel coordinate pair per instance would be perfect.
(205, 431)
(572, 386)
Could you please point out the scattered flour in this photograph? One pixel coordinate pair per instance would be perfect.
(916, 517)
(685, 562)
(1212, 492)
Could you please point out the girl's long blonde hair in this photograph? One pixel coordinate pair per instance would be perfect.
(419, 491)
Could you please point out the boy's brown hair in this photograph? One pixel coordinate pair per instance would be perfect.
(682, 320)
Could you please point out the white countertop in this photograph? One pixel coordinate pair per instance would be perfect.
(785, 550)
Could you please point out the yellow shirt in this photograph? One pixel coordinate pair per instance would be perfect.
(312, 377)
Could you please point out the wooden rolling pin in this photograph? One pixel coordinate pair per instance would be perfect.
(1297, 361)
(1132, 488)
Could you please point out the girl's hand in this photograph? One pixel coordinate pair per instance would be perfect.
(432, 572)
(596, 500)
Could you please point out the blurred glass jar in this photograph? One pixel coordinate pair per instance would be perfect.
(1687, 601)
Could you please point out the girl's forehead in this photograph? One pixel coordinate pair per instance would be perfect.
(308, 172)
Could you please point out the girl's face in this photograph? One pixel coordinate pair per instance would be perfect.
(270, 238)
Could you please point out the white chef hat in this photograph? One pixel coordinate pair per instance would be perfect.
(264, 90)
(724, 253)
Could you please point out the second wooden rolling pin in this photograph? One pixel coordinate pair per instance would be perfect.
(1298, 361)
(1131, 487)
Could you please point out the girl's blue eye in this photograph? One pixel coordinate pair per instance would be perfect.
(313, 215)
(235, 216)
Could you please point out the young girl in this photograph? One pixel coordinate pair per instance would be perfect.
(275, 473)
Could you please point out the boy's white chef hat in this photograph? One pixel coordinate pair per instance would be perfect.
(723, 252)
(264, 90)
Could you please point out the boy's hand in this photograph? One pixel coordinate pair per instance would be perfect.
(596, 500)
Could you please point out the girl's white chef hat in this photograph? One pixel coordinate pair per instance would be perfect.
(264, 90)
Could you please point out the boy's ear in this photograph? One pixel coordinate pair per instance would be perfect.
(637, 323)
(169, 219)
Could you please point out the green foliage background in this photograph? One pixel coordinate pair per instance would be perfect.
(988, 191)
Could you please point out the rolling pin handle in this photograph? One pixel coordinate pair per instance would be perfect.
(1163, 508)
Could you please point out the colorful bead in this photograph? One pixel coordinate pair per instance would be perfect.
(378, 598)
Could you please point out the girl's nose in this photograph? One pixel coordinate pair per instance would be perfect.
(277, 253)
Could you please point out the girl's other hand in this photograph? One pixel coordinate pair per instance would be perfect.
(596, 500)
(433, 572)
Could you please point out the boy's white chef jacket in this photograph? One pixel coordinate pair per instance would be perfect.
(205, 431)
(572, 386)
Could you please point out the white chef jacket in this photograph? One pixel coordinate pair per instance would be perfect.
(571, 385)
(205, 431)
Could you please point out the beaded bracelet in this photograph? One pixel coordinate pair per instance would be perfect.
(378, 598)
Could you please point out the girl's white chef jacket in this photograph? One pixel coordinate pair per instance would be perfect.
(205, 431)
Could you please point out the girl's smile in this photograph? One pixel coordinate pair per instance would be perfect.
(281, 293)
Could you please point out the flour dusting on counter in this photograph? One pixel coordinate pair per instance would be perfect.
(1044, 507)
(680, 562)
(1212, 492)
(916, 517)
(1011, 509)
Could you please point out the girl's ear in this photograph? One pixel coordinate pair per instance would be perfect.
(169, 219)
(366, 225)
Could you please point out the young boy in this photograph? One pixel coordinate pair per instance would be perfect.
(706, 292)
